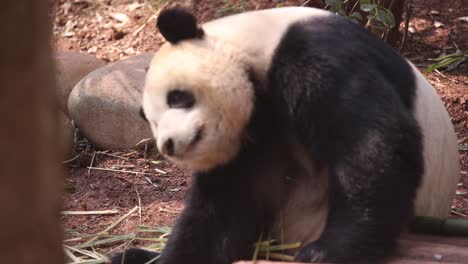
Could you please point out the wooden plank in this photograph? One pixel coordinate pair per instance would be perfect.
(420, 249)
(395, 261)
(433, 251)
(457, 241)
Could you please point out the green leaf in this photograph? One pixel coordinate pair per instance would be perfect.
(333, 2)
(357, 16)
(370, 17)
(341, 12)
(442, 64)
(368, 7)
(385, 16)
(456, 54)
(454, 65)
(366, 2)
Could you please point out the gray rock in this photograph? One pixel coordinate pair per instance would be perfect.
(71, 68)
(104, 105)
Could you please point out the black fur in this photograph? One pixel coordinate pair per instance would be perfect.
(134, 255)
(347, 98)
(177, 24)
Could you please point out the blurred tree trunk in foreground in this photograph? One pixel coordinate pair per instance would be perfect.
(30, 177)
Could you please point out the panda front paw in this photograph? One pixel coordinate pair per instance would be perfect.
(311, 253)
(134, 256)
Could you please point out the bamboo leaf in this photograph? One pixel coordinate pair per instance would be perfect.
(333, 2)
(385, 16)
(282, 247)
(366, 2)
(368, 7)
(108, 240)
(357, 16)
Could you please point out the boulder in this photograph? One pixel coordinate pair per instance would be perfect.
(104, 105)
(71, 68)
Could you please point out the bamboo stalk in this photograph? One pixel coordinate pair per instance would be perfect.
(437, 226)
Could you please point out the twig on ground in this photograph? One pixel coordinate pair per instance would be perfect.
(69, 254)
(457, 213)
(130, 153)
(139, 204)
(160, 171)
(125, 171)
(445, 76)
(121, 166)
(70, 160)
(91, 163)
(105, 231)
(140, 28)
(112, 155)
(167, 211)
(103, 212)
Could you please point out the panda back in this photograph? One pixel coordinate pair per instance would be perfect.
(258, 33)
(441, 157)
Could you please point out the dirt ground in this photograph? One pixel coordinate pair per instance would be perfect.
(116, 29)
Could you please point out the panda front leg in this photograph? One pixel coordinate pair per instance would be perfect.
(190, 241)
(221, 230)
(218, 225)
(371, 200)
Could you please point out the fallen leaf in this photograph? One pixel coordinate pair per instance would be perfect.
(121, 17)
(438, 24)
(92, 49)
(68, 34)
(134, 6)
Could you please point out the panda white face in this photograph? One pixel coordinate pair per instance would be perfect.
(198, 100)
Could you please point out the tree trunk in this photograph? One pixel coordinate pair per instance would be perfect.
(30, 184)
(396, 7)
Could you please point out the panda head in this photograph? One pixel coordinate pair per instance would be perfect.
(198, 95)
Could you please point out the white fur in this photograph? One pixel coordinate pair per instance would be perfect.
(441, 157)
(258, 33)
(223, 93)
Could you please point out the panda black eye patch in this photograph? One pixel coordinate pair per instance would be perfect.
(180, 99)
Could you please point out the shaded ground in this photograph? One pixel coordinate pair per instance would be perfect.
(112, 30)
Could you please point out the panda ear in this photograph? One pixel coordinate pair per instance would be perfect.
(177, 24)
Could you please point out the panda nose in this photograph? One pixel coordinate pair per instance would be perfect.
(168, 147)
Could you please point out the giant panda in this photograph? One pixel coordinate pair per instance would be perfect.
(299, 126)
